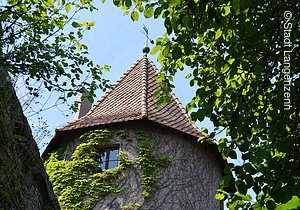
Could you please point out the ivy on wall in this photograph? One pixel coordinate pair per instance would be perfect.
(149, 163)
(124, 134)
(79, 184)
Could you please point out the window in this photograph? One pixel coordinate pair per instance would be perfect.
(108, 158)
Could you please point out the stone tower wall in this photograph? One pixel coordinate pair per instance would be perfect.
(188, 182)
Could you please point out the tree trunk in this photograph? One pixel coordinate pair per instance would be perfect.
(24, 183)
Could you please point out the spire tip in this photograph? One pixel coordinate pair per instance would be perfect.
(146, 50)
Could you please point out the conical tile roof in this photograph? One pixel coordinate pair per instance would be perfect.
(132, 99)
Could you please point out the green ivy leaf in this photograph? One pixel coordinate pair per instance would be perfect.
(228, 181)
(149, 12)
(294, 203)
(186, 21)
(117, 2)
(156, 94)
(158, 11)
(68, 7)
(204, 130)
(177, 53)
(155, 49)
(270, 205)
(246, 197)
(76, 24)
(218, 93)
(165, 50)
(228, 168)
(283, 195)
(140, 8)
(219, 196)
(249, 168)
(232, 154)
(241, 187)
(128, 3)
(134, 16)
(226, 10)
(257, 206)
(160, 57)
(218, 34)
(174, 2)
(168, 25)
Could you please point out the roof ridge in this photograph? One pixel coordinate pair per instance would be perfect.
(182, 109)
(144, 107)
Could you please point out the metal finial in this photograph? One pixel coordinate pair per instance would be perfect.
(146, 49)
(147, 34)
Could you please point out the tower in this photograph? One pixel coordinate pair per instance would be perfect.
(163, 165)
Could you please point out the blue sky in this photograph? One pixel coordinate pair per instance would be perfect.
(116, 40)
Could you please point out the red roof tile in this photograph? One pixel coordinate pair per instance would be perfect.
(132, 99)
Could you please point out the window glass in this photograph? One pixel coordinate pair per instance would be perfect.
(113, 164)
(114, 154)
(108, 158)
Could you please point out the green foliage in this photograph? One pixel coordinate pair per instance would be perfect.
(149, 163)
(131, 207)
(9, 179)
(77, 182)
(123, 159)
(124, 134)
(134, 15)
(294, 203)
(41, 40)
(60, 153)
(127, 207)
(234, 50)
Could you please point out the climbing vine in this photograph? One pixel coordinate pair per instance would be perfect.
(149, 163)
(79, 183)
(124, 134)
